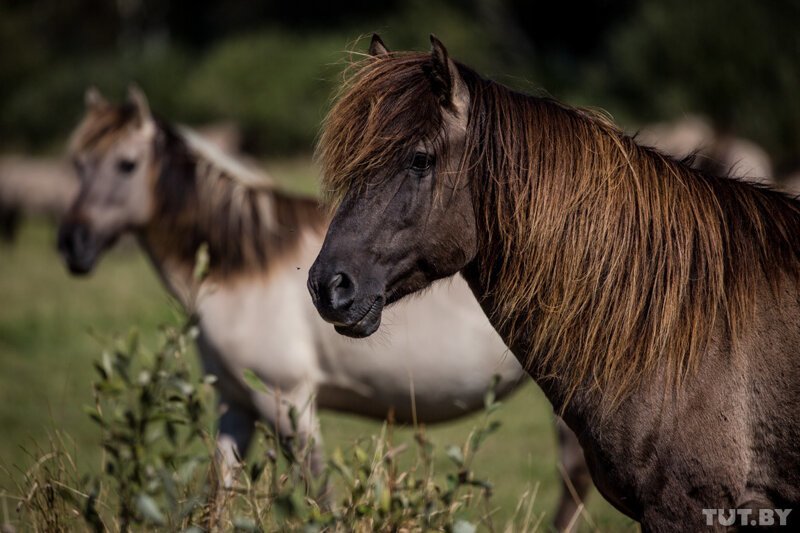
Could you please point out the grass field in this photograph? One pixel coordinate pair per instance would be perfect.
(52, 327)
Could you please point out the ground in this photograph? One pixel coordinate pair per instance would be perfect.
(52, 327)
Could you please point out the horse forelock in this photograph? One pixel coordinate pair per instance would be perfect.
(384, 109)
(607, 260)
(102, 128)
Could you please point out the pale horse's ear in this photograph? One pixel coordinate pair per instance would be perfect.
(377, 47)
(137, 98)
(446, 80)
(93, 99)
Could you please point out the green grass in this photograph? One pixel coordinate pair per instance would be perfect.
(52, 327)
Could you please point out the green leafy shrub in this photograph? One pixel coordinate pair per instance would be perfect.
(159, 474)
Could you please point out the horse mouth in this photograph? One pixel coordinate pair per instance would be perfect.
(80, 267)
(81, 256)
(80, 263)
(368, 324)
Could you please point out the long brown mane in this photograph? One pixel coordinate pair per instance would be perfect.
(205, 197)
(608, 261)
(383, 109)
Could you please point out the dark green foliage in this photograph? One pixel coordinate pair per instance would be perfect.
(273, 67)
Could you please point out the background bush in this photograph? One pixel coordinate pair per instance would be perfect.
(272, 65)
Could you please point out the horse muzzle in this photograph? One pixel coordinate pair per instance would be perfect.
(353, 312)
(79, 247)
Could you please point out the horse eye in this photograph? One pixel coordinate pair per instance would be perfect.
(126, 166)
(421, 162)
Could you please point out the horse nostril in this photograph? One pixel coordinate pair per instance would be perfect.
(335, 281)
(73, 239)
(342, 290)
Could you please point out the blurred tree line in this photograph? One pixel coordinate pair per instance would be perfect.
(272, 65)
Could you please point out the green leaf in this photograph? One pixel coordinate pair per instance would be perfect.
(456, 455)
(245, 524)
(254, 382)
(462, 526)
(149, 509)
(133, 341)
(94, 415)
(186, 471)
(491, 394)
(201, 262)
(339, 465)
(361, 455)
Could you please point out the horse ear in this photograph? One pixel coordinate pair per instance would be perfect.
(446, 80)
(377, 47)
(93, 99)
(137, 98)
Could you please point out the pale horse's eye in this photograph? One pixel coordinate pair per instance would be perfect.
(126, 166)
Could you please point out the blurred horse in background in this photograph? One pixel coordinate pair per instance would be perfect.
(791, 184)
(175, 192)
(33, 186)
(45, 187)
(695, 139)
(709, 150)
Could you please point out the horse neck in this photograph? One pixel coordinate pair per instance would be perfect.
(173, 170)
(176, 275)
(247, 227)
(483, 283)
(580, 328)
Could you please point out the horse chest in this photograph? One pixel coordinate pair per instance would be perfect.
(259, 327)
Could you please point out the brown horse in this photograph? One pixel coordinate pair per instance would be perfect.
(657, 306)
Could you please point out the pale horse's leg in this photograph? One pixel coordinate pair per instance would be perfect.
(235, 432)
(575, 477)
(236, 427)
(237, 420)
(306, 439)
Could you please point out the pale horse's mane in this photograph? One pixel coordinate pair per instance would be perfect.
(226, 165)
(246, 221)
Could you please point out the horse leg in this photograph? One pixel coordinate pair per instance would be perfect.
(575, 478)
(236, 427)
(303, 440)
(310, 441)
